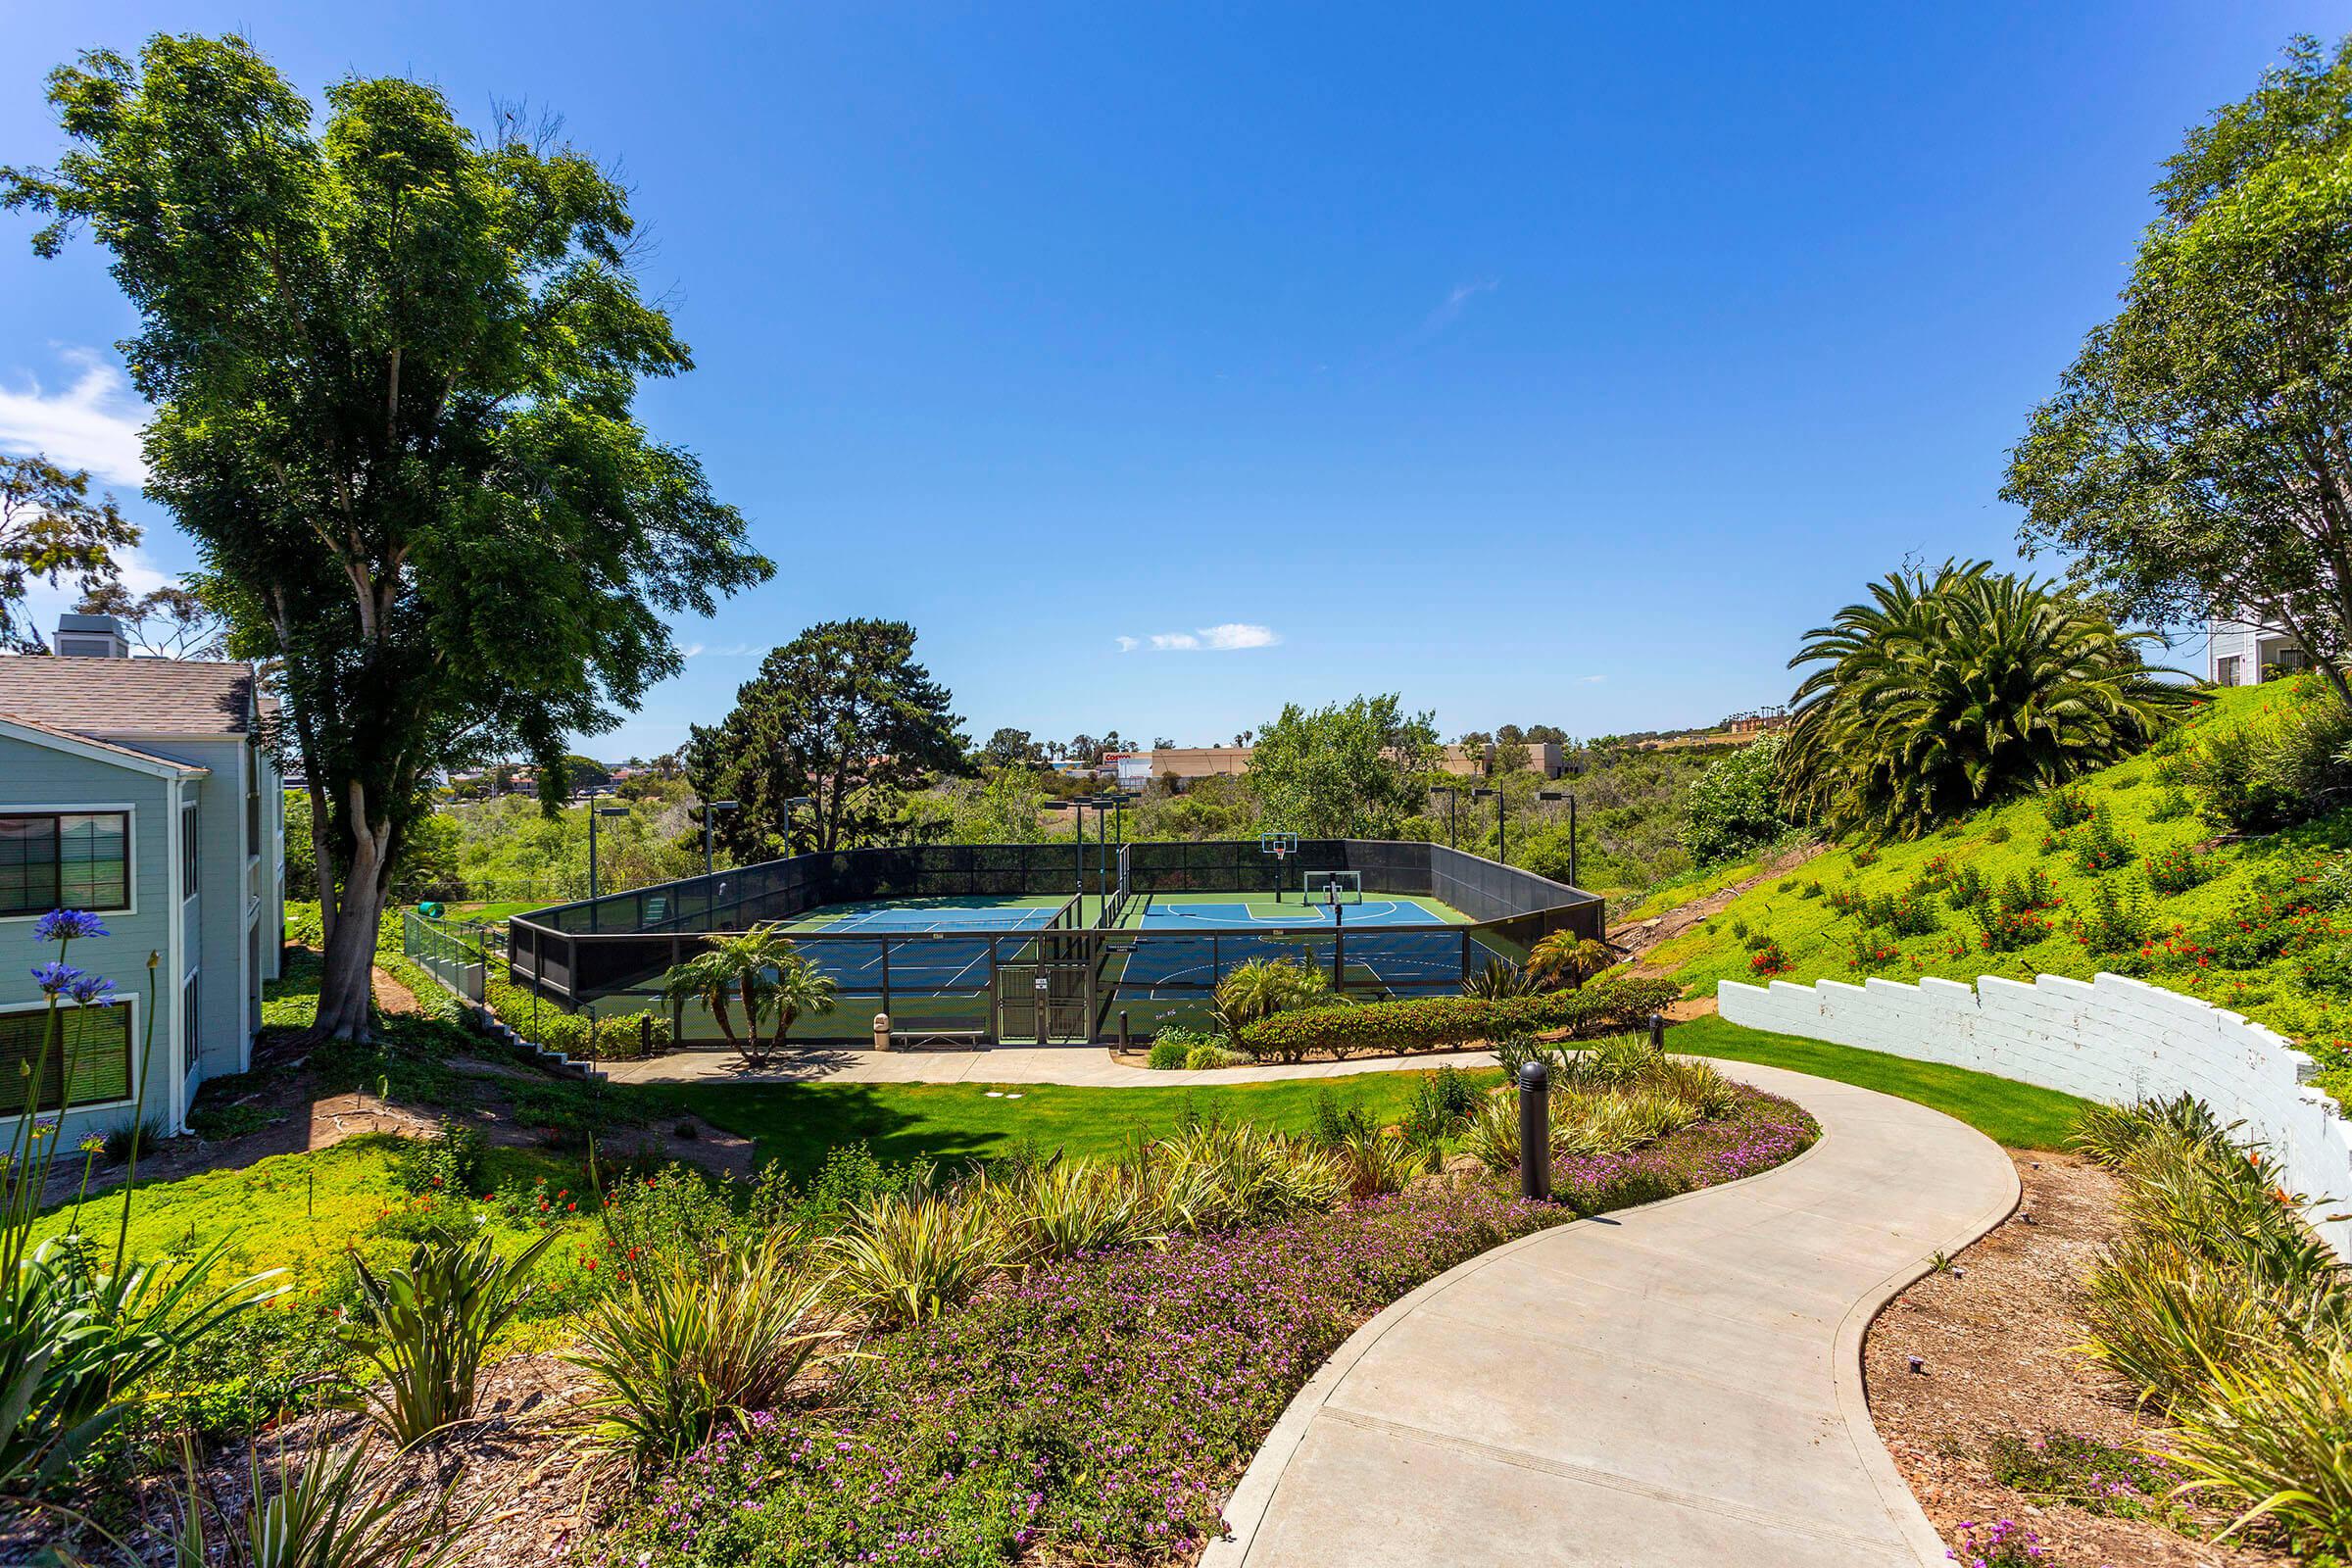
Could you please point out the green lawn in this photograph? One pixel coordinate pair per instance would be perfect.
(2009, 1112)
(797, 1123)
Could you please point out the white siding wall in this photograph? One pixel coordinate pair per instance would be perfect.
(2115, 1038)
(2230, 639)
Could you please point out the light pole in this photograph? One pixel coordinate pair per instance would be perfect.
(1502, 851)
(1076, 806)
(1454, 802)
(710, 809)
(791, 805)
(1570, 797)
(595, 811)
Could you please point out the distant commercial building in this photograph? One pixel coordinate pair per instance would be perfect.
(1758, 721)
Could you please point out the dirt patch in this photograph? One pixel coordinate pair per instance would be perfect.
(394, 997)
(1636, 939)
(1995, 1336)
(513, 1471)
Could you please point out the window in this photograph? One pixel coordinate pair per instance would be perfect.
(253, 802)
(89, 1063)
(187, 851)
(191, 1033)
(2225, 670)
(65, 860)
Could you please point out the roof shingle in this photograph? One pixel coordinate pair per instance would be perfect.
(128, 696)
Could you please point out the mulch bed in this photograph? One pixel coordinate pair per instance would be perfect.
(1997, 1340)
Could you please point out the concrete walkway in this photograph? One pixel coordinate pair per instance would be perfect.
(1679, 1384)
(1084, 1066)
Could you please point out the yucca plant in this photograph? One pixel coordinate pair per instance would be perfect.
(1696, 1084)
(1500, 978)
(1616, 1120)
(694, 1342)
(1493, 1135)
(1564, 959)
(1953, 690)
(1380, 1159)
(1620, 1060)
(2273, 1436)
(906, 1257)
(1213, 1177)
(328, 1511)
(427, 1322)
(2163, 1318)
(1062, 1207)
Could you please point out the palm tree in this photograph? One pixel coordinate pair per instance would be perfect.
(1564, 959)
(763, 971)
(1949, 692)
(1264, 987)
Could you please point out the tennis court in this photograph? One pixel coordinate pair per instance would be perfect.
(1188, 946)
(921, 943)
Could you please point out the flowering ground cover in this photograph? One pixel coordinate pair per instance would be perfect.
(1100, 1409)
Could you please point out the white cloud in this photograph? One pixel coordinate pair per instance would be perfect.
(1590, 681)
(1463, 293)
(93, 424)
(731, 651)
(1225, 638)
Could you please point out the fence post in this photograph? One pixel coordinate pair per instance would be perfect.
(1535, 1132)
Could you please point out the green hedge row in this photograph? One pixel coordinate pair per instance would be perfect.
(1433, 1023)
(621, 1036)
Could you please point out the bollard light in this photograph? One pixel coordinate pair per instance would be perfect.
(1535, 1132)
(1657, 1031)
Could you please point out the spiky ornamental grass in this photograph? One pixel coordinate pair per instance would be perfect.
(1955, 690)
(1097, 1408)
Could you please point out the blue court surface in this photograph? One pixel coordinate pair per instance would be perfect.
(935, 946)
(1293, 916)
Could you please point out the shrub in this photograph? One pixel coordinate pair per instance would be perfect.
(1381, 1159)
(2099, 847)
(1869, 949)
(1866, 858)
(1264, 987)
(1435, 1022)
(1998, 834)
(449, 1161)
(2175, 870)
(1739, 930)
(2004, 930)
(2259, 777)
(1811, 889)
(1756, 940)
(2114, 923)
(693, 1345)
(1967, 889)
(2172, 805)
(2062, 808)
(906, 1257)
(1206, 1055)
(1770, 961)
(133, 1138)
(1167, 1055)
(1846, 900)
(2273, 1436)
(1444, 1100)
(1061, 1207)
(328, 1511)
(1213, 1177)
(2021, 896)
(427, 1323)
(1905, 914)
(566, 1032)
(1733, 807)
(1493, 1135)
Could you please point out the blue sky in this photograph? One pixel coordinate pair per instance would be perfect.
(1164, 364)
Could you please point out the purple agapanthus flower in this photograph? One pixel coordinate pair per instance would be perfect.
(63, 925)
(57, 977)
(91, 990)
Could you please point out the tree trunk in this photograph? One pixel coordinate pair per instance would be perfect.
(347, 988)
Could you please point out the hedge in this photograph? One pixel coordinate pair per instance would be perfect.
(1432, 1023)
(621, 1036)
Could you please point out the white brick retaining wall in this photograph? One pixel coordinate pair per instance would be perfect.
(2112, 1039)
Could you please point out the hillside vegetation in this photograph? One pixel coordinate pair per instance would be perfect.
(2117, 872)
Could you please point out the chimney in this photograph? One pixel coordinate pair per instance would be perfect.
(92, 637)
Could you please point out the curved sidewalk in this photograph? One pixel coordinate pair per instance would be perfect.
(1675, 1384)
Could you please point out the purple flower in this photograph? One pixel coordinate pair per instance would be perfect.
(63, 925)
(57, 976)
(93, 990)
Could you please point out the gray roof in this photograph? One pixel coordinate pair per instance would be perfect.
(128, 696)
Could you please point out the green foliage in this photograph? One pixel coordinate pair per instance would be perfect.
(1453, 1021)
(1166, 1056)
(449, 1161)
(2175, 870)
(438, 563)
(694, 1343)
(426, 1324)
(1955, 690)
(50, 527)
(1264, 987)
(1345, 771)
(1733, 809)
(329, 1510)
(2063, 807)
(2179, 464)
(765, 971)
(842, 714)
(2275, 1438)
(2287, 766)
(908, 1257)
(2112, 922)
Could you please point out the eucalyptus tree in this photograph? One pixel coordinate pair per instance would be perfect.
(393, 365)
(1951, 691)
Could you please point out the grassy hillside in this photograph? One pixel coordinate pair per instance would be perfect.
(2256, 929)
